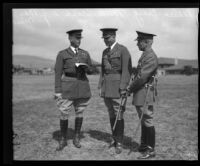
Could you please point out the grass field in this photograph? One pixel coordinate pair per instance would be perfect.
(36, 121)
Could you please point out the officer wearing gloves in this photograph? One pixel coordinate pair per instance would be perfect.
(139, 84)
(114, 78)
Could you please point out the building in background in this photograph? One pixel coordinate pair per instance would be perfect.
(177, 66)
(164, 63)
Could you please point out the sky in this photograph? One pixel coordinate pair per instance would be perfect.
(42, 32)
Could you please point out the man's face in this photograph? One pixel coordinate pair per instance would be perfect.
(141, 45)
(75, 41)
(109, 40)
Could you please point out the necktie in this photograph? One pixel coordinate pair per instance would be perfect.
(108, 54)
(76, 50)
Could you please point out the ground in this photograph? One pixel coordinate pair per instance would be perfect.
(36, 122)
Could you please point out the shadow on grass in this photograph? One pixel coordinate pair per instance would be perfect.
(70, 134)
(106, 137)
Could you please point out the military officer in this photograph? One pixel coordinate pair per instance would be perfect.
(140, 82)
(72, 90)
(114, 78)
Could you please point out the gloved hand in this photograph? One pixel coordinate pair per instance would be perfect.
(123, 93)
(128, 91)
(57, 96)
(87, 70)
(81, 72)
(84, 68)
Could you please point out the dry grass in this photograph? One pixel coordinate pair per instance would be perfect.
(35, 120)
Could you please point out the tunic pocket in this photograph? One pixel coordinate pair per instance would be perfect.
(83, 59)
(112, 84)
(69, 88)
(69, 62)
(84, 89)
(116, 61)
(106, 63)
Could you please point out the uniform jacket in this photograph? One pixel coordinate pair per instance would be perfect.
(147, 67)
(116, 69)
(71, 87)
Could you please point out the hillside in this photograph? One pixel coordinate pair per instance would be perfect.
(32, 61)
(36, 62)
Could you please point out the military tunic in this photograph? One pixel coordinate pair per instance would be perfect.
(66, 80)
(147, 66)
(115, 71)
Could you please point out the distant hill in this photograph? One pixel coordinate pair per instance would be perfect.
(36, 62)
(32, 61)
(95, 63)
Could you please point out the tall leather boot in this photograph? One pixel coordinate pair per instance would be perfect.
(119, 135)
(63, 129)
(78, 124)
(152, 137)
(143, 142)
(149, 152)
(113, 142)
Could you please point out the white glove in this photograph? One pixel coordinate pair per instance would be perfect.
(58, 96)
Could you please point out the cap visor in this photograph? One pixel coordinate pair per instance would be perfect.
(78, 37)
(106, 36)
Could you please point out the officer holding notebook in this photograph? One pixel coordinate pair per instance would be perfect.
(72, 90)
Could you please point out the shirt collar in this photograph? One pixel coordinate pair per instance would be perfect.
(111, 47)
(148, 50)
(73, 49)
